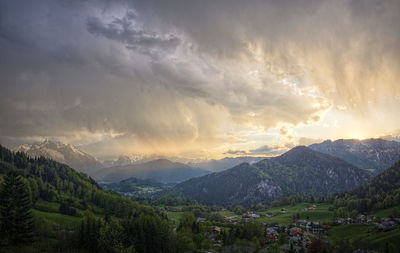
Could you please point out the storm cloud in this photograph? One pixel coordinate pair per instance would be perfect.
(187, 77)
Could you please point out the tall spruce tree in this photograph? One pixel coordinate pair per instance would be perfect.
(16, 222)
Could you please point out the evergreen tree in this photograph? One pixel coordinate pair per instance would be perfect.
(15, 214)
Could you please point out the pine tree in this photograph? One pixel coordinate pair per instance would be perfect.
(15, 214)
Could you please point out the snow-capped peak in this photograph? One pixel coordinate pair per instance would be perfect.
(61, 152)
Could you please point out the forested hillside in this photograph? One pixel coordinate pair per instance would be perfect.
(383, 191)
(52, 181)
(301, 171)
(46, 206)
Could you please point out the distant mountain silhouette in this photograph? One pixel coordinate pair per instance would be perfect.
(161, 170)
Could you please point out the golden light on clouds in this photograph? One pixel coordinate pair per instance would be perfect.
(250, 77)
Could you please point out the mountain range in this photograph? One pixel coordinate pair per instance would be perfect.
(375, 155)
(300, 171)
(161, 170)
(63, 153)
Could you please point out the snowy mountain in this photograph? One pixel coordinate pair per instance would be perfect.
(123, 160)
(63, 153)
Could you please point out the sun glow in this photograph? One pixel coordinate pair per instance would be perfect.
(357, 136)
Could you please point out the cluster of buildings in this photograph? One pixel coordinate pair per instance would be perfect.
(231, 219)
(388, 224)
(311, 208)
(296, 236)
(383, 225)
(251, 215)
(272, 231)
(312, 226)
(299, 234)
(360, 219)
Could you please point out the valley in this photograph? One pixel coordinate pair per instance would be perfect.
(303, 201)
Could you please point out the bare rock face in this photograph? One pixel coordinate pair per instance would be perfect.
(375, 155)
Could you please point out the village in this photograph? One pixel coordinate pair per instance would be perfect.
(296, 235)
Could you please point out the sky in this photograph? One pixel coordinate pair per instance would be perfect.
(198, 79)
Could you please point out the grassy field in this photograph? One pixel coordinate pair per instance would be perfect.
(46, 206)
(321, 214)
(64, 220)
(378, 240)
(367, 233)
(350, 231)
(174, 216)
(386, 212)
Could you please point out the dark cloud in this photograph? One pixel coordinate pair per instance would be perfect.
(235, 152)
(268, 150)
(126, 31)
(178, 75)
(265, 150)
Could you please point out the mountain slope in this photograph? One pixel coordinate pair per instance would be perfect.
(55, 182)
(373, 154)
(386, 182)
(300, 171)
(161, 170)
(62, 153)
(383, 191)
(225, 163)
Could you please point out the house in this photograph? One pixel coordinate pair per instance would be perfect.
(231, 219)
(271, 234)
(315, 227)
(269, 215)
(312, 208)
(326, 227)
(279, 228)
(340, 221)
(216, 229)
(251, 215)
(283, 210)
(345, 221)
(295, 231)
(387, 224)
(301, 223)
(295, 240)
(200, 219)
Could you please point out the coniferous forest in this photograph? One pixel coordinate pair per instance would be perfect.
(107, 222)
(46, 206)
